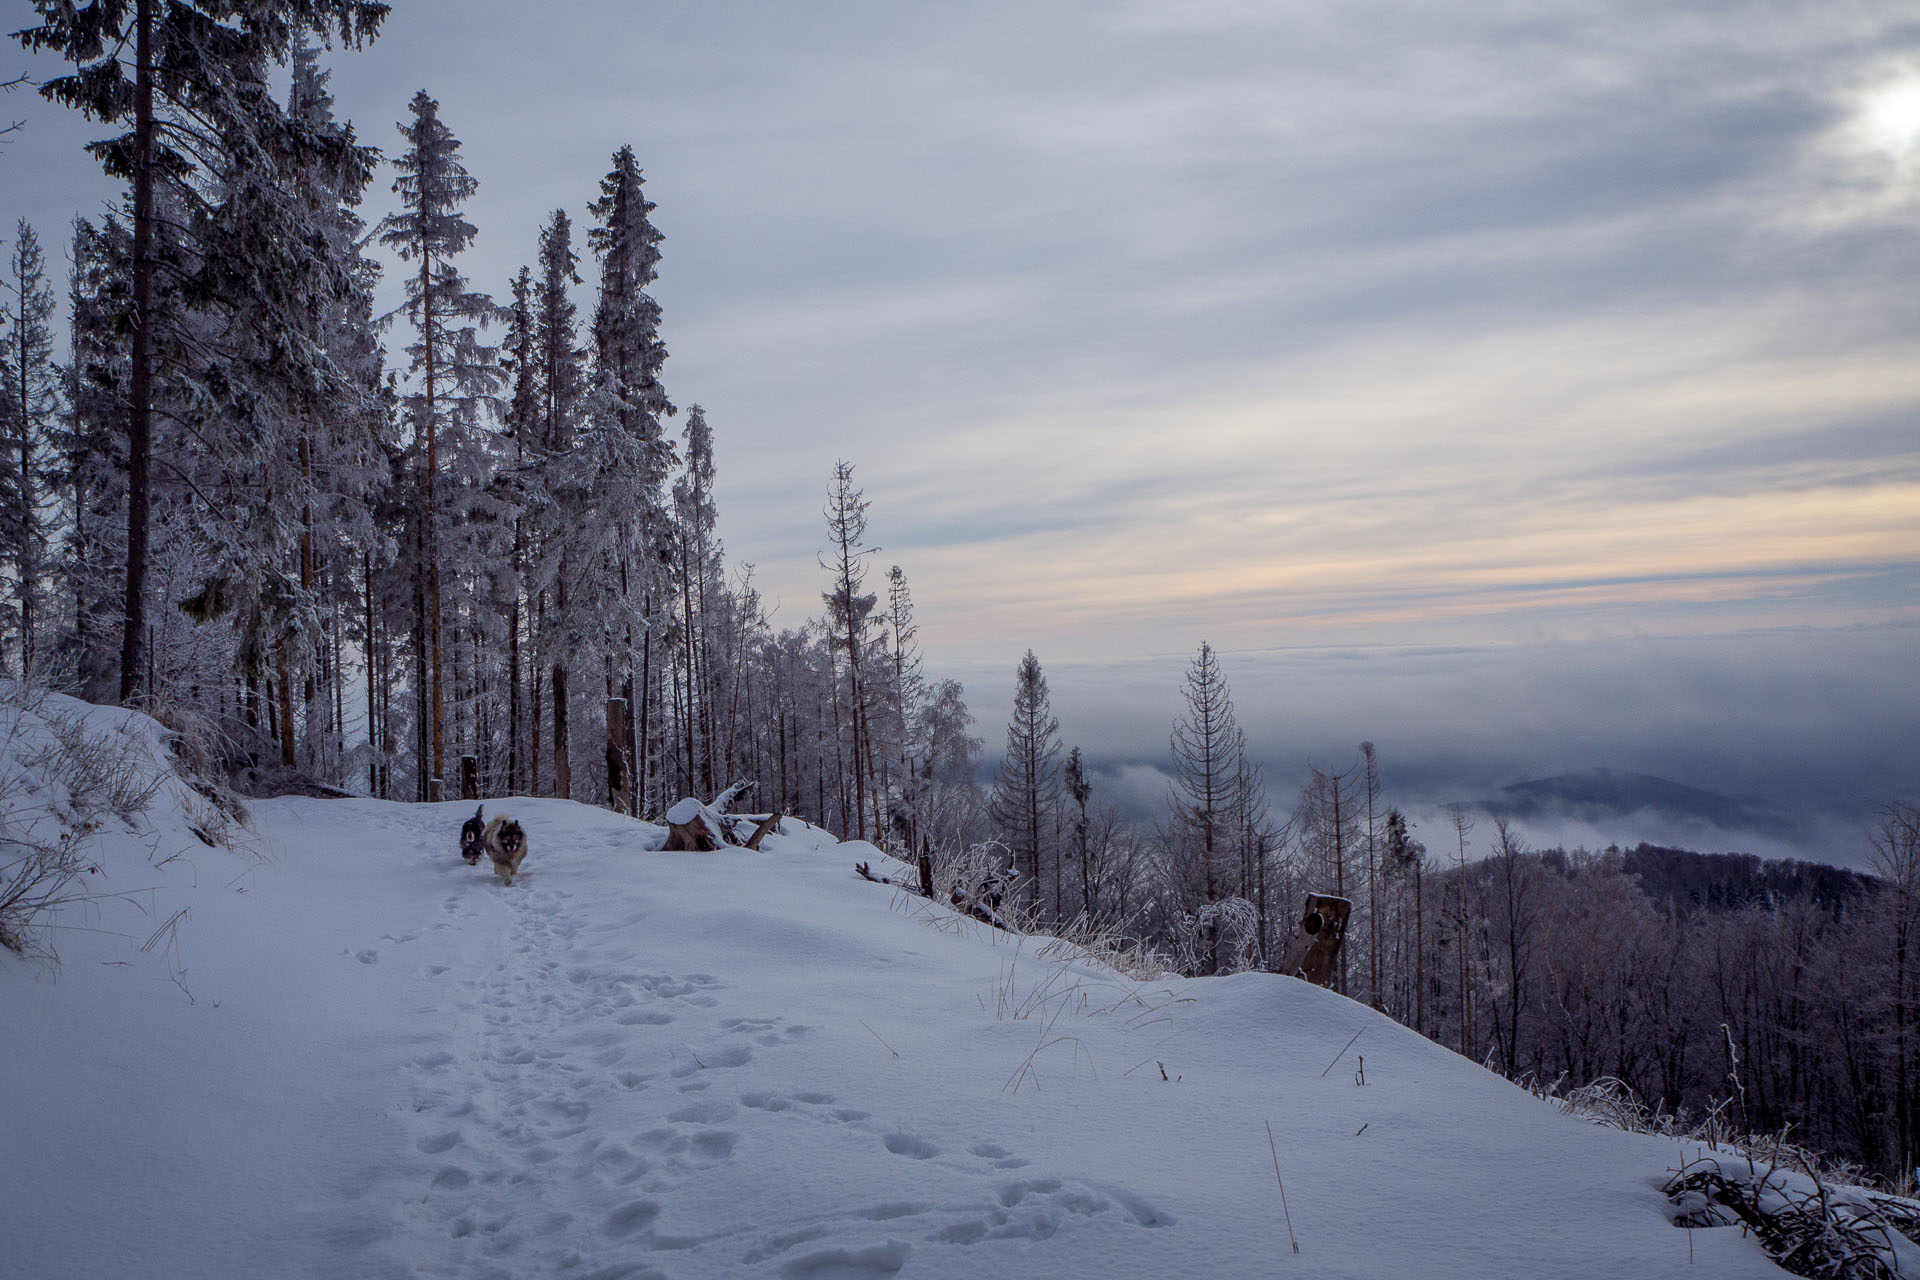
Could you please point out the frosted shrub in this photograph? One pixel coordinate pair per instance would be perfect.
(103, 771)
(35, 877)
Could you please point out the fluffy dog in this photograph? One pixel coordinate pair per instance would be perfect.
(473, 837)
(506, 842)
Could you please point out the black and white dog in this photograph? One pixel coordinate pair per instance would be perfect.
(473, 839)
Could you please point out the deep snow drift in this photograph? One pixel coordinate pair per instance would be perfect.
(355, 1055)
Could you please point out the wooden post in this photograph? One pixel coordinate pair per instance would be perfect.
(436, 789)
(926, 875)
(469, 778)
(619, 765)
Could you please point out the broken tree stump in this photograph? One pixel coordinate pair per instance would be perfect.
(1323, 926)
(693, 827)
(619, 766)
(469, 778)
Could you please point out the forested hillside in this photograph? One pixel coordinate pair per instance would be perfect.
(376, 550)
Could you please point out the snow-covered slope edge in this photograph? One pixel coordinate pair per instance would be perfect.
(360, 1056)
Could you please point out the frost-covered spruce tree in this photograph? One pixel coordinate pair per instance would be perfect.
(344, 440)
(1026, 795)
(30, 390)
(273, 454)
(452, 377)
(90, 476)
(952, 811)
(566, 574)
(697, 573)
(902, 743)
(522, 432)
(190, 78)
(626, 431)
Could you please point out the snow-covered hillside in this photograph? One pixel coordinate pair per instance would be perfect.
(354, 1055)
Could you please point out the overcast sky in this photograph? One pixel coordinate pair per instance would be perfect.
(1521, 386)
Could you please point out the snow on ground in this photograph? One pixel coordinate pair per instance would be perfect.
(358, 1056)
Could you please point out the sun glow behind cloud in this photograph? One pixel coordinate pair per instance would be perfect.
(1891, 115)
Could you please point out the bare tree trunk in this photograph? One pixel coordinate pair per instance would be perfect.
(562, 765)
(645, 751)
(140, 415)
(533, 722)
(286, 702)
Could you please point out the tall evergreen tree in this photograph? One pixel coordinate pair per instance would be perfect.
(1026, 795)
(850, 623)
(568, 566)
(453, 377)
(1206, 801)
(29, 386)
(629, 404)
(91, 475)
(344, 442)
(697, 556)
(906, 687)
(522, 367)
(197, 98)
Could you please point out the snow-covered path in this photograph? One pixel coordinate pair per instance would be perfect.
(366, 1058)
(586, 1092)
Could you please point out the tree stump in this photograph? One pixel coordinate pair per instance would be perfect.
(1323, 925)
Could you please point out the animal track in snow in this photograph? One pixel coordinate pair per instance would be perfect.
(849, 1264)
(911, 1146)
(766, 1102)
(632, 1217)
(715, 1144)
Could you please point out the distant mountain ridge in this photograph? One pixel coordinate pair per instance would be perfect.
(1599, 795)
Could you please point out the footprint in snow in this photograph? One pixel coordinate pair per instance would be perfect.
(438, 1143)
(849, 1264)
(629, 1218)
(766, 1102)
(715, 1144)
(911, 1146)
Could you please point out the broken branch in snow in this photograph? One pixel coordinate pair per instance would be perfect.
(769, 823)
